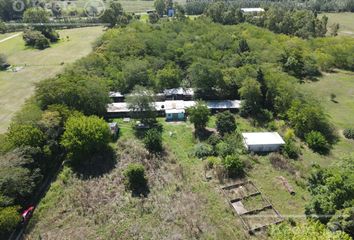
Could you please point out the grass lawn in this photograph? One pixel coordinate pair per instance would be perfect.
(16, 87)
(345, 20)
(341, 111)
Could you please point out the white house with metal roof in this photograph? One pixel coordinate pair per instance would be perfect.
(262, 141)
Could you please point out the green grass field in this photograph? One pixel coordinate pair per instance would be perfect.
(345, 20)
(16, 87)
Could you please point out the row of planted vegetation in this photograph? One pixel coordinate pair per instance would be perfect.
(220, 62)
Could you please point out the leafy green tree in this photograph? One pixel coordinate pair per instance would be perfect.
(19, 177)
(180, 12)
(317, 142)
(112, 14)
(160, 7)
(304, 231)
(243, 46)
(199, 115)
(83, 93)
(3, 27)
(169, 77)
(135, 72)
(35, 39)
(153, 140)
(153, 18)
(9, 218)
(343, 220)
(233, 165)
(135, 178)
(251, 94)
(225, 122)
(85, 136)
(141, 103)
(25, 135)
(206, 77)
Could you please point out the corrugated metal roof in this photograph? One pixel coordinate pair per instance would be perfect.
(252, 9)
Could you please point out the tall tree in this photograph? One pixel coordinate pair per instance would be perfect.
(141, 103)
(199, 115)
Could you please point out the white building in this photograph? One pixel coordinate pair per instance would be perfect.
(252, 10)
(262, 141)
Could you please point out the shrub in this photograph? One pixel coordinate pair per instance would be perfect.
(223, 149)
(234, 165)
(3, 27)
(202, 150)
(291, 150)
(153, 140)
(35, 39)
(3, 62)
(9, 218)
(317, 142)
(349, 133)
(135, 179)
(20, 135)
(212, 162)
(225, 122)
(214, 139)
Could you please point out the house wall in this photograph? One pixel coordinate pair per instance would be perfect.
(264, 148)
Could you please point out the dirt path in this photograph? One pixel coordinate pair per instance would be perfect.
(8, 38)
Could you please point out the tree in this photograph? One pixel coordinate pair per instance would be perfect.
(199, 115)
(243, 46)
(225, 122)
(304, 231)
(3, 62)
(334, 28)
(20, 135)
(35, 39)
(180, 12)
(75, 90)
(160, 7)
(19, 176)
(205, 76)
(153, 18)
(317, 142)
(343, 220)
(141, 103)
(233, 165)
(135, 178)
(169, 77)
(9, 218)
(251, 94)
(85, 136)
(3, 27)
(112, 14)
(153, 140)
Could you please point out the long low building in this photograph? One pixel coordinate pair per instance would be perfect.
(262, 141)
(120, 109)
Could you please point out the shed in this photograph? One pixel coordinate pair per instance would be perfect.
(262, 141)
(175, 115)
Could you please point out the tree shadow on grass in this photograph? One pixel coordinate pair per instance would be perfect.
(142, 191)
(96, 165)
(202, 134)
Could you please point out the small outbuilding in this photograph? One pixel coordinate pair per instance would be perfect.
(262, 141)
(175, 115)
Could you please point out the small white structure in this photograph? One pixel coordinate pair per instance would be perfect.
(252, 10)
(262, 141)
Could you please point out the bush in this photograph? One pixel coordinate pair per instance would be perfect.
(211, 162)
(35, 39)
(20, 135)
(223, 149)
(349, 133)
(135, 179)
(3, 27)
(3, 62)
(9, 218)
(234, 165)
(291, 150)
(225, 122)
(153, 140)
(317, 142)
(214, 139)
(202, 150)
